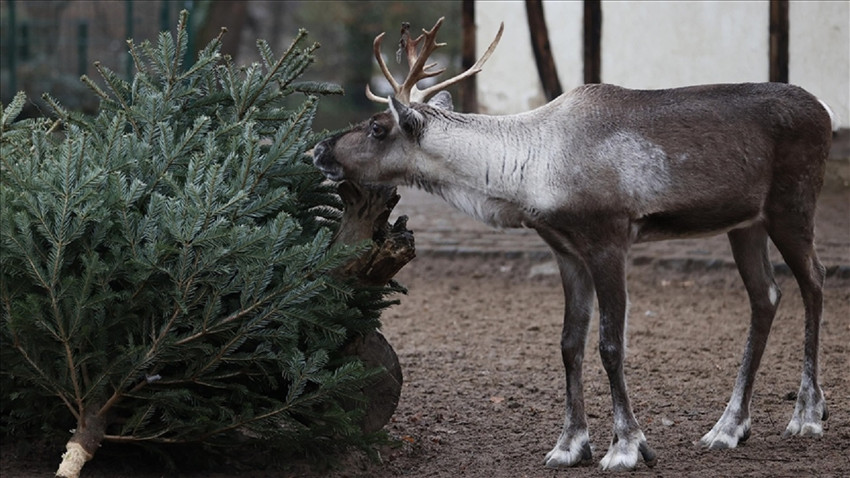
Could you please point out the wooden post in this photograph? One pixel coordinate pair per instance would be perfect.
(592, 41)
(542, 49)
(779, 41)
(468, 90)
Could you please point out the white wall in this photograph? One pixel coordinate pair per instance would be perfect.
(509, 82)
(819, 52)
(667, 44)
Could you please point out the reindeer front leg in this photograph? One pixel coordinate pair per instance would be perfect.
(749, 248)
(608, 268)
(573, 445)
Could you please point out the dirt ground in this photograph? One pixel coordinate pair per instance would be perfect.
(483, 393)
(483, 396)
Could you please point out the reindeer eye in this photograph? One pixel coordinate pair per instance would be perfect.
(377, 131)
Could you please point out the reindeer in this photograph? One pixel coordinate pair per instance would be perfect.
(601, 168)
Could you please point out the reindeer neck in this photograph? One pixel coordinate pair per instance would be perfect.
(483, 165)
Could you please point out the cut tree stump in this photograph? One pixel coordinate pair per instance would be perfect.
(374, 350)
(366, 216)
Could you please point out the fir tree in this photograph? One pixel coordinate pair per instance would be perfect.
(167, 264)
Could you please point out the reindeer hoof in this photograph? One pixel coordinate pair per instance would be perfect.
(727, 433)
(798, 427)
(809, 415)
(569, 452)
(648, 454)
(623, 454)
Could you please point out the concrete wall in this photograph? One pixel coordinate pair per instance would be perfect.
(667, 44)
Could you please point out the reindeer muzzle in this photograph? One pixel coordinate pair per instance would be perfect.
(325, 160)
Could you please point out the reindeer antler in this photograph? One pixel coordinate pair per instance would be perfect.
(407, 92)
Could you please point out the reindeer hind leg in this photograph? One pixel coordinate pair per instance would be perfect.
(793, 235)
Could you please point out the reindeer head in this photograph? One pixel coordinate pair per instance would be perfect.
(380, 149)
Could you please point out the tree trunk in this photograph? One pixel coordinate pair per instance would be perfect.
(367, 210)
(82, 445)
(230, 14)
(468, 89)
(592, 41)
(778, 50)
(382, 395)
(542, 49)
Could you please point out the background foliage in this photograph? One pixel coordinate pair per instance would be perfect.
(51, 54)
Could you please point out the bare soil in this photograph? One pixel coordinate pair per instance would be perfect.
(484, 387)
(478, 340)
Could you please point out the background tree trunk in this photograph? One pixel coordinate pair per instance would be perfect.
(230, 14)
(468, 89)
(778, 49)
(542, 50)
(592, 41)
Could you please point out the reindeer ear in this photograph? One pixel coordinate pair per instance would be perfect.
(409, 120)
(442, 100)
